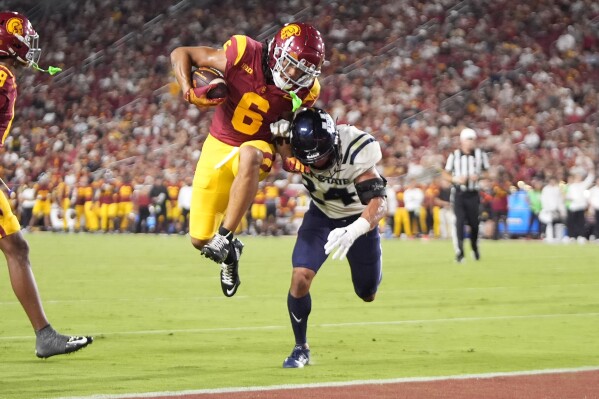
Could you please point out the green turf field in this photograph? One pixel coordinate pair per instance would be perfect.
(162, 324)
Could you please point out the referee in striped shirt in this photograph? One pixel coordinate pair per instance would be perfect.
(464, 169)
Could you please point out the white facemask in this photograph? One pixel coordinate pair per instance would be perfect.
(281, 83)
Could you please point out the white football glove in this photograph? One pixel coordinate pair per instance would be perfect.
(280, 129)
(343, 238)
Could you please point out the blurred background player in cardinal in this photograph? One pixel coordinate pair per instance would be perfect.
(348, 201)
(264, 82)
(19, 48)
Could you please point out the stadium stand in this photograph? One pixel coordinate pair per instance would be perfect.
(413, 73)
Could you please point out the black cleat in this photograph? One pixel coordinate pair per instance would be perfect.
(459, 258)
(217, 248)
(476, 254)
(229, 273)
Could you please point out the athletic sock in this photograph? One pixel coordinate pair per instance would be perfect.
(49, 342)
(299, 310)
(44, 331)
(228, 234)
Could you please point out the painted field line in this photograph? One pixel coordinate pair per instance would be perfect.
(139, 299)
(339, 384)
(461, 319)
(14, 302)
(329, 325)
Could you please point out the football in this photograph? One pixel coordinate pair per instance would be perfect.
(203, 76)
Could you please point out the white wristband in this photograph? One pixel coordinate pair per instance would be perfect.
(359, 227)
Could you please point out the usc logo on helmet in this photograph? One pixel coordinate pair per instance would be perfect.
(15, 26)
(290, 30)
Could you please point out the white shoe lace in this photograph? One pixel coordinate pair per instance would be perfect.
(220, 242)
(227, 274)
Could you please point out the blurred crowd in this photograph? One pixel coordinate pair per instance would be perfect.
(525, 76)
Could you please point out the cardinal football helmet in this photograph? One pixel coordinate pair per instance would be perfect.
(18, 39)
(295, 56)
(315, 140)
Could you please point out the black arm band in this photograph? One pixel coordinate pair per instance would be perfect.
(368, 189)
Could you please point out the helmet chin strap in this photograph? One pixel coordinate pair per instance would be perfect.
(51, 69)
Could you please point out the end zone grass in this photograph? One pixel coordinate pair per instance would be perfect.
(161, 322)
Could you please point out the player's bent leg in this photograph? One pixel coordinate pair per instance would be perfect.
(210, 191)
(301, 280)
(244, 187)
(50, 343)
(365, 261)
(223, 248)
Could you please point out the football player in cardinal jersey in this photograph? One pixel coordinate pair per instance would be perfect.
(19, 48)
(348, 201)
(264, 82)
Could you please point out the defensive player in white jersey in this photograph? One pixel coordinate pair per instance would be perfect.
(348, 201)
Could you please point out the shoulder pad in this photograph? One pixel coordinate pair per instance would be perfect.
(235, 48)
(359, 147)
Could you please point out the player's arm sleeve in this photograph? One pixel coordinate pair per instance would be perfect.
(370, 186)
(371, 189)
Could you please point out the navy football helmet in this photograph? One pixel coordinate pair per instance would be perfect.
(315, 140)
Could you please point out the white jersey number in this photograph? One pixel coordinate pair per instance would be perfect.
(333, 193)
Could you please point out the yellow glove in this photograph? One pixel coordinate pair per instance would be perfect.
(206, 96)
(293, 165)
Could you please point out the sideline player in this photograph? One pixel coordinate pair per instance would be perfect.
(264, 82)
(19, 48)
(348, 201)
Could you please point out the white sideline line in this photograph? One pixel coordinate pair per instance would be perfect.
(327, 325)
(338, 384)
